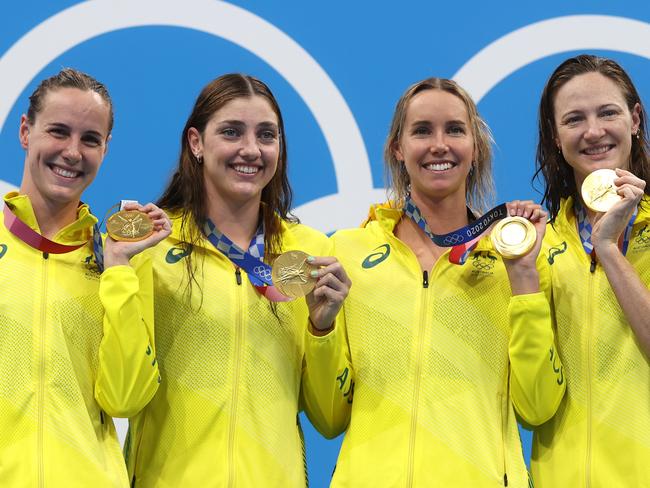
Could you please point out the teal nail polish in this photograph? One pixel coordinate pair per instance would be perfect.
(310, 259)
(314, 274)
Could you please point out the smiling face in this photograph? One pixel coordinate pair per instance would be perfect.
(594, 126)
(436, 145)
(65, 145)
(240, 147)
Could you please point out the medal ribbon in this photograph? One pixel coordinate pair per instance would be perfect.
(33, 239)
(251, 261)
(584, 230)
(462, 241)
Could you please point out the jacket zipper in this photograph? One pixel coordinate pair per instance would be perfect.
(235, 384)
(41, 375)
(416, 386)
(503, 438)
(590, 324)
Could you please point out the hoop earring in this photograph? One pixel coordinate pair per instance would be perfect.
(199, 158)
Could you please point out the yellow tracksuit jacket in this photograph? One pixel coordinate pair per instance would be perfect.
(600, 436)
(424, 371)
(226, 413)
(65, 367)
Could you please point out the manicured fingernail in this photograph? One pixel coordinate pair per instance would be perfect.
(314, 274)
(310, 259)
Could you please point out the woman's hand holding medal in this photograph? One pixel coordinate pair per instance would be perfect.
(142, 226)
(331, 289)
(522, 271)
(609, 223)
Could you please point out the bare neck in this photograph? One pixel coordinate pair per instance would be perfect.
(236, 220)
(443, 215)
(51, 216)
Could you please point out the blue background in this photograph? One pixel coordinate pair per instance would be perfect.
(371, 51)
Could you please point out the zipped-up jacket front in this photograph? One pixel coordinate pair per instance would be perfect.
(421, 367)
(600, 436)
(226, 413)
(75, 349)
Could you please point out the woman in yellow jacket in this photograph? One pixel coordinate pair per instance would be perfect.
(230, 350)
(65, 371)
(424, 367)
(591, 117)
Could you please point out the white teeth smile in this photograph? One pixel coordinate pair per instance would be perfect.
(249, 170)
(438, 166)
(66, 173)
(597, 150)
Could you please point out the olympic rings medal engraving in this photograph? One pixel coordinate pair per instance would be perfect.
(129, 225)
(599, 191)
(513, 237)
(292, 274)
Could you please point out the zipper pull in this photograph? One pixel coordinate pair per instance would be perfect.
(425, 279)
(592, 268)
(238, 275)
(505, 479)
(46, 254)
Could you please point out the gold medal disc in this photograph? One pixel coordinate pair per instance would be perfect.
(513, 237)
(129, 225)
(291, 274)
(599, 191)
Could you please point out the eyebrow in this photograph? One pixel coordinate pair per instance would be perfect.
(449, 122)
(579, 111)
(61, 125)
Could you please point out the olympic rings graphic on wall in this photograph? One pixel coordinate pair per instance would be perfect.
(479, 75)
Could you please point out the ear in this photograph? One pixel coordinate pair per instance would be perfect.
(397, 152)
(108, 139)
(23, 132)
(194, 140)
(636, 118)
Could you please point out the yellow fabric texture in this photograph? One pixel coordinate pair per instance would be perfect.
(62, 362)
(226, 413)
(600, 436)
(419, 375)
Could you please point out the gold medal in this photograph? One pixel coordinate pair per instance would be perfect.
(513, 237)
(129, 225)
(599, 191)
(291, 274)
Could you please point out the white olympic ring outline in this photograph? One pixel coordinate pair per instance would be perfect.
(478, 75)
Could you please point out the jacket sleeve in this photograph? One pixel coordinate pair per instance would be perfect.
(537, 382)
(127, 376)
(328, 380)
(327, 376)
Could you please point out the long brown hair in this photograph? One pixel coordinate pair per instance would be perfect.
(185, 194)
(480, 185)
(559, 180)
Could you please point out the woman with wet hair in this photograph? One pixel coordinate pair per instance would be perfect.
(430, 358)
(591, 118)
(230, 347)
(75, 318)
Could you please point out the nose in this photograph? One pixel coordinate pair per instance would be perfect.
(250, 149)
(72, 151)
(438, 144)
(594, 130)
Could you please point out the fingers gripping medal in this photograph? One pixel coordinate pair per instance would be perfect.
(129, 225)
(599, 191)
(513, 237)
(291, 274)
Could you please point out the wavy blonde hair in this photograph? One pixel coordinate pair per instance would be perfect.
(479, 190)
